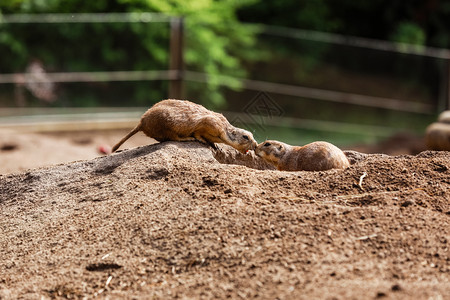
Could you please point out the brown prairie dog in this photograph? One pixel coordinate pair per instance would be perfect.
(316, 156)
(181, 120)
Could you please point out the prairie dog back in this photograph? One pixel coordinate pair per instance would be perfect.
(316, 156)
(182, 120)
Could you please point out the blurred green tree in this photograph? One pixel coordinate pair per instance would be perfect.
(407, 32)
(313, 15)
(216, 41)
(378, 19)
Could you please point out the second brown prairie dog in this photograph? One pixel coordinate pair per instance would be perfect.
(316, 156)
(181, 120)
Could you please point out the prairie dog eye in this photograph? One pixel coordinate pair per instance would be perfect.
(267, 144)
(245, 137)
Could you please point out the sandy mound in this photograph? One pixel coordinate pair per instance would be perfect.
(20, 151)
(175, 220)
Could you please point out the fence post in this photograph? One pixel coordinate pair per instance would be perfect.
(443, 101)
(448, 82)
(176, 58)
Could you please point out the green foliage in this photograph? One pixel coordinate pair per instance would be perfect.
(216, 42)
(409, 33)
(314, 15)
(379, 19)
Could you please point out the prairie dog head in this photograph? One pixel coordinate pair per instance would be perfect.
(241, 139)
(271, 151)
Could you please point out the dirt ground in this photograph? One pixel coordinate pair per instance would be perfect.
(179, 220)
(22, 151)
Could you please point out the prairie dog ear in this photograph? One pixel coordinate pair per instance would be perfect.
(280, 147)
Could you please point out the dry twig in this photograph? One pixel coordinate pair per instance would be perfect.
(366, 237)
(361, 180)
(108, 281)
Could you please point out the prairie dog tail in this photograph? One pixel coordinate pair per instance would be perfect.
(130, 134)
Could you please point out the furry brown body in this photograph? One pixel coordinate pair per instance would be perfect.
(317, 156)
(437, 136)
(181, 120)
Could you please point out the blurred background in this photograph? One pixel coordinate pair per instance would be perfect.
(358, 74)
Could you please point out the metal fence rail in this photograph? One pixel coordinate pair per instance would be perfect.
(256, 85)
(313, 93)
(134, 17)
(92, 76)
(354, 41)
